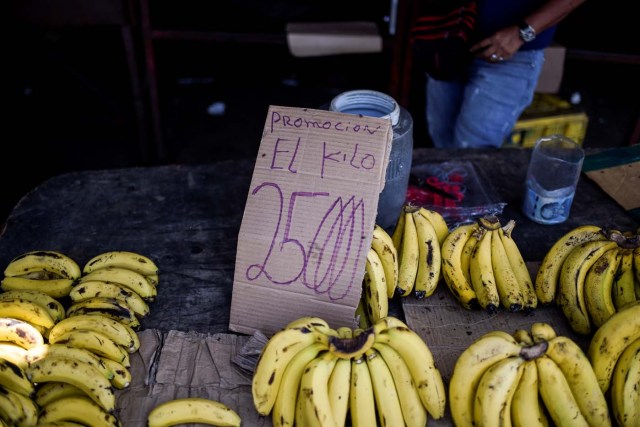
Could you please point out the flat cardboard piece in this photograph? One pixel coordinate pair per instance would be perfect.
(617, 172)
(307, 39)
(309, 218)
(182, 364)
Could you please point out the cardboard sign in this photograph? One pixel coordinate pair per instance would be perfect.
(309, 218)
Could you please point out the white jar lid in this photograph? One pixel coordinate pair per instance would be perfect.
(368, 103)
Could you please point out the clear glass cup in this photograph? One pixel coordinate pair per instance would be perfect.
(552, 177)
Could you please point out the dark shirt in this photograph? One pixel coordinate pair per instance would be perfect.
(494, 15)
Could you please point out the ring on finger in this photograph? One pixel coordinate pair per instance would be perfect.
(494, 57)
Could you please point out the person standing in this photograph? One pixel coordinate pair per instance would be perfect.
(481, 109)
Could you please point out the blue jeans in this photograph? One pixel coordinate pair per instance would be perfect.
(481, 111)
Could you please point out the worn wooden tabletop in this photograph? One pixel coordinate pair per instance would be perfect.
(187, 219)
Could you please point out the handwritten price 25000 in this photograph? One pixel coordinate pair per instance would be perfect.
(329, 264)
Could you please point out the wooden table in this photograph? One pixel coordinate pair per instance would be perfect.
(187, 219)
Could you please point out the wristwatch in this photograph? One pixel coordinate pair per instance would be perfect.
(527, 33)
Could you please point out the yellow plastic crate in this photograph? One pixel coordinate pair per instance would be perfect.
(547, 115)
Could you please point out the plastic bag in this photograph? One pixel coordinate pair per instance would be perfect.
(456, 190)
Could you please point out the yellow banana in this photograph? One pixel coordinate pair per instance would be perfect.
(598, 285)
(557, 396)
(384, 247)
(430, 260)
(509, 289)
(50, 304)
(69, 352)
(452, 271)
(29, 311)
(274, 358)
(610, 340)
(398, 231)
(542, 331)
(636, 269)
(122, 259)
(413, 411)
(80, 409)
(409, 256)
(192, 410)
(519, 266)
(129, 278)
(625, 393)
(283, 411)
(437, 220)
(15, 378)
(20, 332)
(13, 353)
(546, 281)
(362, 406)
(375, 288)
(467, 251)
(481, 272)
(16, 408)
(582, 381)
(50, 261)
(100, 288)
(339, 385)
(119, 332)
(492, 403)
(384, 390)
(623, 290)
(107, 307)
(570, 296)
(77, 373)
(120, 374)
(48, 392)
(314, 391)
(523, 337)
(55, 288)
(95, 342)
(419, 360)
(526, 408)
(472, 363)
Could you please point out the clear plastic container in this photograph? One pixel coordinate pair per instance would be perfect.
(377, 104)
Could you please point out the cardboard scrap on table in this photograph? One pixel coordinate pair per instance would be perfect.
(180, 364)
(309, 218)
(617, 172)
(333, 38)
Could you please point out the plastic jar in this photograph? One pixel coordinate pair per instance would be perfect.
(377, 104)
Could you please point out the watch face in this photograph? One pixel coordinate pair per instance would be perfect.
(527, 34)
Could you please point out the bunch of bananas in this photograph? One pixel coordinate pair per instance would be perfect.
(311, 374)
(74, 358)
(483, 267)
(590, 273)
(380, 278)
(614, 353)
(418, 237)
(522, 379)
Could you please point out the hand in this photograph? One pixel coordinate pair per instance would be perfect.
(499, 46)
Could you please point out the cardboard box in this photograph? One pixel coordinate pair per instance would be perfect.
(552, 70)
